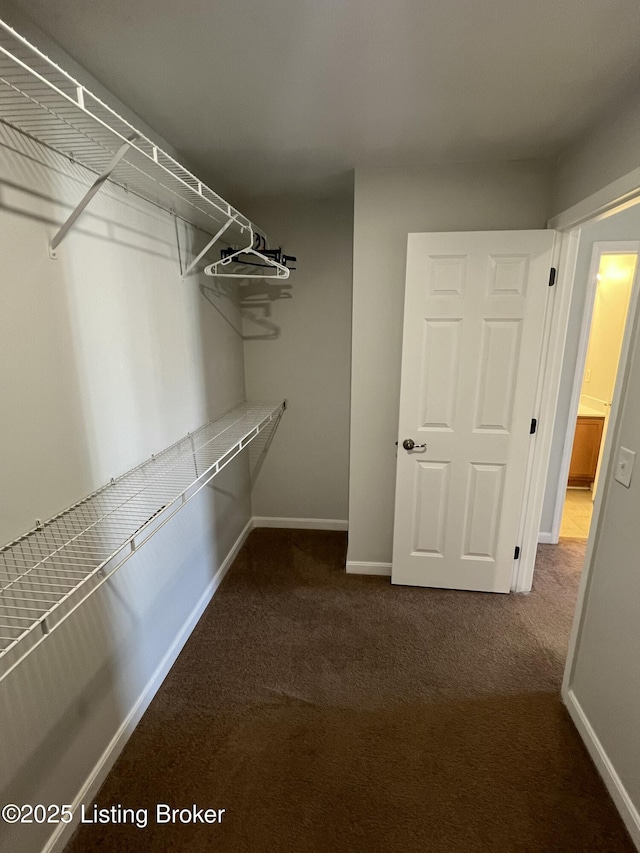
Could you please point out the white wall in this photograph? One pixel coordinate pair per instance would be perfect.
(105, 357)
(606, 676)
(605, 338)
(388, 205)
(604, 682)
(301, 352)
(600, 157)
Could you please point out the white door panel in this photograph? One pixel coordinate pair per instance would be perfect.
(474, 314)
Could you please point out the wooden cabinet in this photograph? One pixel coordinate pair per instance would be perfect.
(586, 448)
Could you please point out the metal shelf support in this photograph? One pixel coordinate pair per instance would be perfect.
(91, 192)
(213, 240)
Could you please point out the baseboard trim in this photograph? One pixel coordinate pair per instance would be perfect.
(628, 811)
(301, 523)
(546, 539)
(355, 567)
(63, 832)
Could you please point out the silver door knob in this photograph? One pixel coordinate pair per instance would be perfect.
(409, 444)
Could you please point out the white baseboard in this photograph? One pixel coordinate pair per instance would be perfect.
(619, 795)
(63, 832)
(354, 567)
(546, 539)
(301, 523)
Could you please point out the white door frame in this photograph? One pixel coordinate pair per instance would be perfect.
(599, 248)
(623, 193)
(608, 471)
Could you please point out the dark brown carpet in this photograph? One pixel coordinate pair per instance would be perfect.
(328, 712)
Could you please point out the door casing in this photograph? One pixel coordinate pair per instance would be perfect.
(608, 201)
(599, 248)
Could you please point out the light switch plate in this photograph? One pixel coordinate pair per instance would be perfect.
(624, 466)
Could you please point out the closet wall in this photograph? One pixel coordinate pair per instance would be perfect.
(388, 205)
(605, 685)
(297, 345)
(106, 357)
(604, 689)
(600, 157)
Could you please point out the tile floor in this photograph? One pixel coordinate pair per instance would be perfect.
(576, 516)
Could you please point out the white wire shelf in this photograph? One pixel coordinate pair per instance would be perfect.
(40, 99)
(49, 572)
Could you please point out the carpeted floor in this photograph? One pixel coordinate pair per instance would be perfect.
(328, 712)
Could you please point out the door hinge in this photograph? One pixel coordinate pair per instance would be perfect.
(552, 276)
(516, 555)
(534, 426)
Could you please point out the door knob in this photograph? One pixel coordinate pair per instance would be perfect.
(409, 444)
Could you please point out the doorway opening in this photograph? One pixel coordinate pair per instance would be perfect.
(606, 316)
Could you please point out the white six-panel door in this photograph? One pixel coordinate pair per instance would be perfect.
(474, 314)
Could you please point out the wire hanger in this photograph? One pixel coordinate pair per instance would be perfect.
(270, 259)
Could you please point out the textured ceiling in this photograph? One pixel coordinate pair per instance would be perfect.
(289, 95)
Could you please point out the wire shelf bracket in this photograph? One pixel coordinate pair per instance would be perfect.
(48, 573)
(93, 190)
(204, 251)
(41, 100)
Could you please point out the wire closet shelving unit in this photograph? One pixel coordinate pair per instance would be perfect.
(47, 573)
(41, 100)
